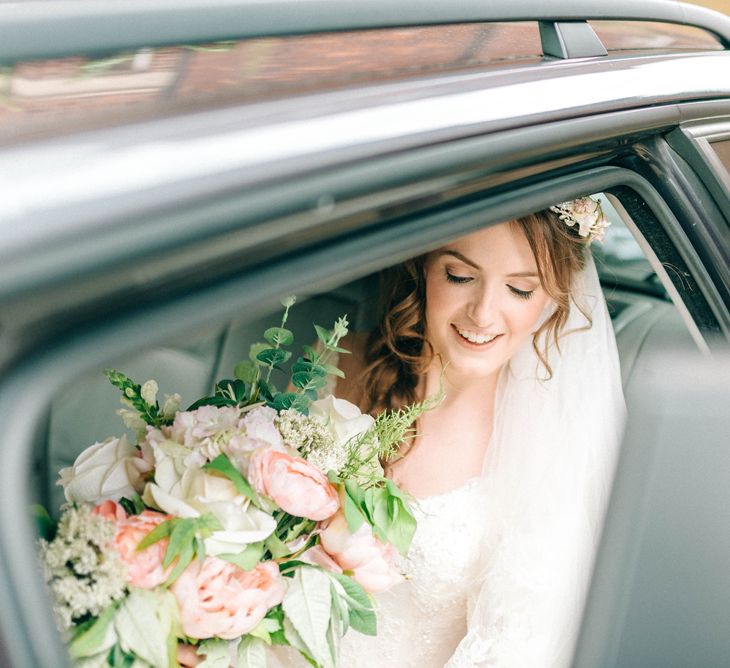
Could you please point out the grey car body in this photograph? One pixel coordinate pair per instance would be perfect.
(139, 228)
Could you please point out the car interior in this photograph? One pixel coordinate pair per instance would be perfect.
(645, 321)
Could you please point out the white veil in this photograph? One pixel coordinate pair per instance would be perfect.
(548, 469)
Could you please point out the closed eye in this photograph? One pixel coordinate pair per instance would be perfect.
(453, 278)
(522, 294)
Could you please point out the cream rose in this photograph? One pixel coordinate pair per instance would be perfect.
(108, 470)
(371, 561)
(196, 492)
(344, 419)
(295, 486)
(220, 599)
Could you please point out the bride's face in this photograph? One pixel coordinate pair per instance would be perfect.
(483, 299)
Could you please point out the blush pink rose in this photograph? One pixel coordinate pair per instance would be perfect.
(220, 599)
(296, 486)
(110, 510)
(371, 561)
(144, 567)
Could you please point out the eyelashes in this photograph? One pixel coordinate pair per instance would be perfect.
(522, 294)
(461, 280)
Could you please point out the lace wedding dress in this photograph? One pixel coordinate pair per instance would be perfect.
(422, 620)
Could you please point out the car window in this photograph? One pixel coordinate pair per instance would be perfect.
(722, 149)
(65, 93)
(632, 35)
(620, 260)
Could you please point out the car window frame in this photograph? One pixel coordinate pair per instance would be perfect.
(27, 389)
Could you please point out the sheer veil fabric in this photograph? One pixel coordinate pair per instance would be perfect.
(548, 469)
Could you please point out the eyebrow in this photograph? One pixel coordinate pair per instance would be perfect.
(466, 260)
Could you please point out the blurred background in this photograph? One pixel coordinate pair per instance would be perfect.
(717, 5)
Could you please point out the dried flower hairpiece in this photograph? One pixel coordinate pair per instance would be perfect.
(585, 212)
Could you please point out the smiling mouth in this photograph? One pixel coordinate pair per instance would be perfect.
(476, 338)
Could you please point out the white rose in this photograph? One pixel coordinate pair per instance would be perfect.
(344, 419)
(105, 471)
(197, 492)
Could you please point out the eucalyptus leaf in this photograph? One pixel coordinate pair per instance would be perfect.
(279, 336)
(284, 400)
(254, 351)
(273, 356)
(310, 353)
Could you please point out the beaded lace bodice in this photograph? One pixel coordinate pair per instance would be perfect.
(422, 620)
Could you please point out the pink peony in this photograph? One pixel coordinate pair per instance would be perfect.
(219, 599)
(110, 510)
(296, 486)
(371, 561)
(144, 567)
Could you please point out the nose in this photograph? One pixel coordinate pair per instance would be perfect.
(482, 309)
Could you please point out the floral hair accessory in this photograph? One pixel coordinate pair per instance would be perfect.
(585, 212)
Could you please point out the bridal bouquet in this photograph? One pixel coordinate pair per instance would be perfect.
(254, 517)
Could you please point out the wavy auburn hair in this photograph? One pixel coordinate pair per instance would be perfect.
(397, 351)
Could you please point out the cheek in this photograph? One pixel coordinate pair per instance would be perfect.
(439, 302)
(524, 317)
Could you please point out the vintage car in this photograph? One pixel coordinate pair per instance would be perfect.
(169, 170)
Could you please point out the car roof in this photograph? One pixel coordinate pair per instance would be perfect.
(43, 28)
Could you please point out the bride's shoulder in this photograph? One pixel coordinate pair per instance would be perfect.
(352, 386)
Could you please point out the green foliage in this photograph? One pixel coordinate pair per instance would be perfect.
(226, 393)
(309, 372)
(221, 464)
(318, 609)
(186, 537)
(248, 558)
(361, 615)
(132, 393)
(142, 620)
(45, 524)
(94, 636)
(133, 506)
(385, 508)
(308, 605)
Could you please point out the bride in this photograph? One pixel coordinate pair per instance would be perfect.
(511, 470)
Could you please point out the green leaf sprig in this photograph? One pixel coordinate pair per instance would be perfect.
(134, 397)
(310, 371)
